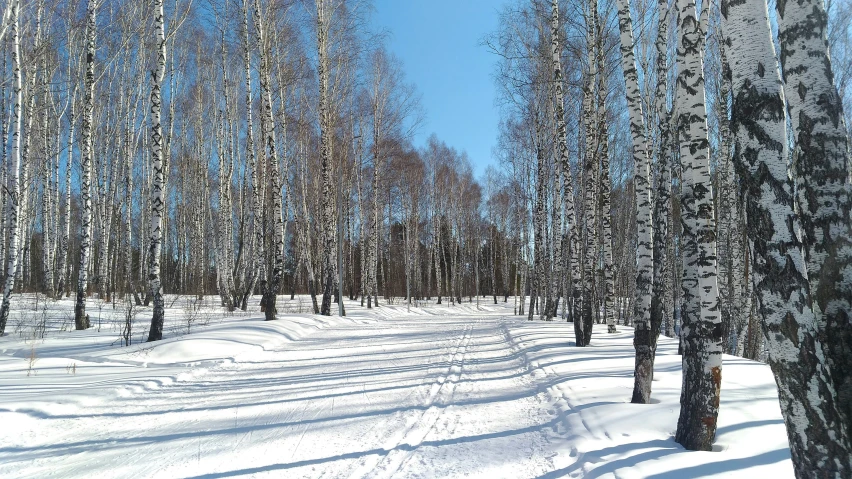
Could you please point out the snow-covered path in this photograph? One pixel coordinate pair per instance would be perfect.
(418, 396)
(441, 391)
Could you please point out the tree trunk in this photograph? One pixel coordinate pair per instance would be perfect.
(644, 337)
(270, 293)
(822, 166)
(13, 179)
(661, 312)
(81, 319)
(158, 207)
(604, 186)
(327, 207)
(809, 402)
(702, 348)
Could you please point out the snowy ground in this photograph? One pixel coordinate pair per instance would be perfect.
(438, 392)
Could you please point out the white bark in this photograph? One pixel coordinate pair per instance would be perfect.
(257, 197)
(271, 162)
(564, 160)
(702, 347)
(815, 429)
(604, 186)
(822, 165)
(644, 336)
(662, 314)
(158, 158)
(80, 318)
(324, 111)
(14, 169)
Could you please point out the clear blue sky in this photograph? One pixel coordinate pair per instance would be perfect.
(438, 42)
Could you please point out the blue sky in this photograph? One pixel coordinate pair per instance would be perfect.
(438, 42)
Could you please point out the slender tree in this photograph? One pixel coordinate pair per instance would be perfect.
(564, 160)
(326, 198)
(158, 209)
(81, 319)
(661, 297)
(13, 205)
(644, 335)
(270, 292)
(701, 335)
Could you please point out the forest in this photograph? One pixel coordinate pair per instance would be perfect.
(681, 169)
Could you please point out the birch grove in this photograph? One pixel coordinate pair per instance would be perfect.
(682, 171)
(661, 167)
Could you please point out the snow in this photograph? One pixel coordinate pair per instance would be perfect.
(440, 391)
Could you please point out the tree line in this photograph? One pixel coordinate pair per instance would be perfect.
(226, 147)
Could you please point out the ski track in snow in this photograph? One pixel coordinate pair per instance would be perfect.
(440, 391)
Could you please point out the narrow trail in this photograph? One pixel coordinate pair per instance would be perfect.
(417, 396)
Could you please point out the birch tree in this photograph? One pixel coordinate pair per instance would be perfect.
(809, 402)
(604, 186)
(822, 166)
(323, 109)
(644, 338)
(701, 334)
(13, 204)
(256, 169)
(270, 291)
(81, 319)
(583, 325)
(662, 294)
(564, 160)
(158, 207)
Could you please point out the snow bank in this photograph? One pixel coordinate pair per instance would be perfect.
(601, 434)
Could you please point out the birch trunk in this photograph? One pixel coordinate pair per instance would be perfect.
(644, 337)
(439, 256)
(822, 166)
(255, 166)
(363, 233)
(809, 402)
(539, 284)
(224, 259)
(661, 311)
(327, 208)
(4, 170)
(128, 201)
(702, 348)
(375, 218)
(270, 293)
(158, 159)
(584, 322)
(605, 186)
(81, 319)
(306, 247)
(13, 184)
(731, 271)
(47, 171)
(492, 237)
